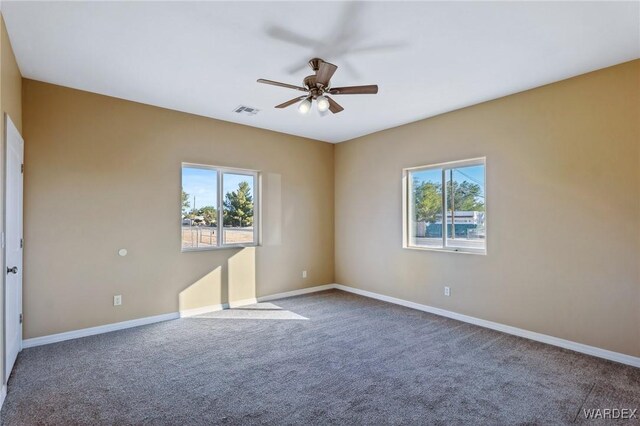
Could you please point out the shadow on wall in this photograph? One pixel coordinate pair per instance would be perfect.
(232, 282)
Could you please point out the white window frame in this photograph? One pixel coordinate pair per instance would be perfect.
(220, 172)
(407, 206)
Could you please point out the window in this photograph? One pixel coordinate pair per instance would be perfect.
(445, 207)
(219, 207)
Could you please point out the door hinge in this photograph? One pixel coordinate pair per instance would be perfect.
(20, 318)
(21, 242)
(22, 168)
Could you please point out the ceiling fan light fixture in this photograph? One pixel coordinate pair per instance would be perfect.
(323, 103)
(304, 106)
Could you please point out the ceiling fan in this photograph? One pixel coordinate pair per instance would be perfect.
(317, 86)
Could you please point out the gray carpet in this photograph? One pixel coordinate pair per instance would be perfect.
(348, 360)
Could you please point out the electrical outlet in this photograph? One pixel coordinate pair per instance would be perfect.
(304, 274)
(117, 300)
(447, 291)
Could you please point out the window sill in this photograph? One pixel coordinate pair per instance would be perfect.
(225, 247)
(448, 250)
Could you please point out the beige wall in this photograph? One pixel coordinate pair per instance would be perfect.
(563, 167)
(11, 104)
(563, 201)
(104, 174)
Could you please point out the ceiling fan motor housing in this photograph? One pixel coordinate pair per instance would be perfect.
(310, 84)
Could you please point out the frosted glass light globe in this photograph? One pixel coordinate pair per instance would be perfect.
(304, 106)
(323, 103)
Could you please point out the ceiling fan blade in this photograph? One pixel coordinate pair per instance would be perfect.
(350, 68)
(325, 72)
(334, 107)
(382, 47)
(297, 67)
(276, 83)
(288, 36)
(291, 102)
(371, 89)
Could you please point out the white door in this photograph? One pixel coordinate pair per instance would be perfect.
(13, 241)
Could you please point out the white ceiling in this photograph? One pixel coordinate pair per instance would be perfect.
(204, 57)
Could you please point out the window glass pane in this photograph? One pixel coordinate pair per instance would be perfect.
(465, 207)
(199, 207)
(238, 190)
(425, 229)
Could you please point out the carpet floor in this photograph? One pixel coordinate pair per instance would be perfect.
(323, 358)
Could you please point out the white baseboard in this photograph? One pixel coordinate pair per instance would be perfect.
(296, 292)
(243, 302)
(186, 313)
(538, 337)
(3, 394)
(60, 337)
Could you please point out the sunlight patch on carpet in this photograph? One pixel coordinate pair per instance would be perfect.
(257, 311)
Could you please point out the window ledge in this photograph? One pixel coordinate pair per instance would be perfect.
(448, 250)
(225, 247)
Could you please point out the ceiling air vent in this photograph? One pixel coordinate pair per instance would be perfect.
(246, 110)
